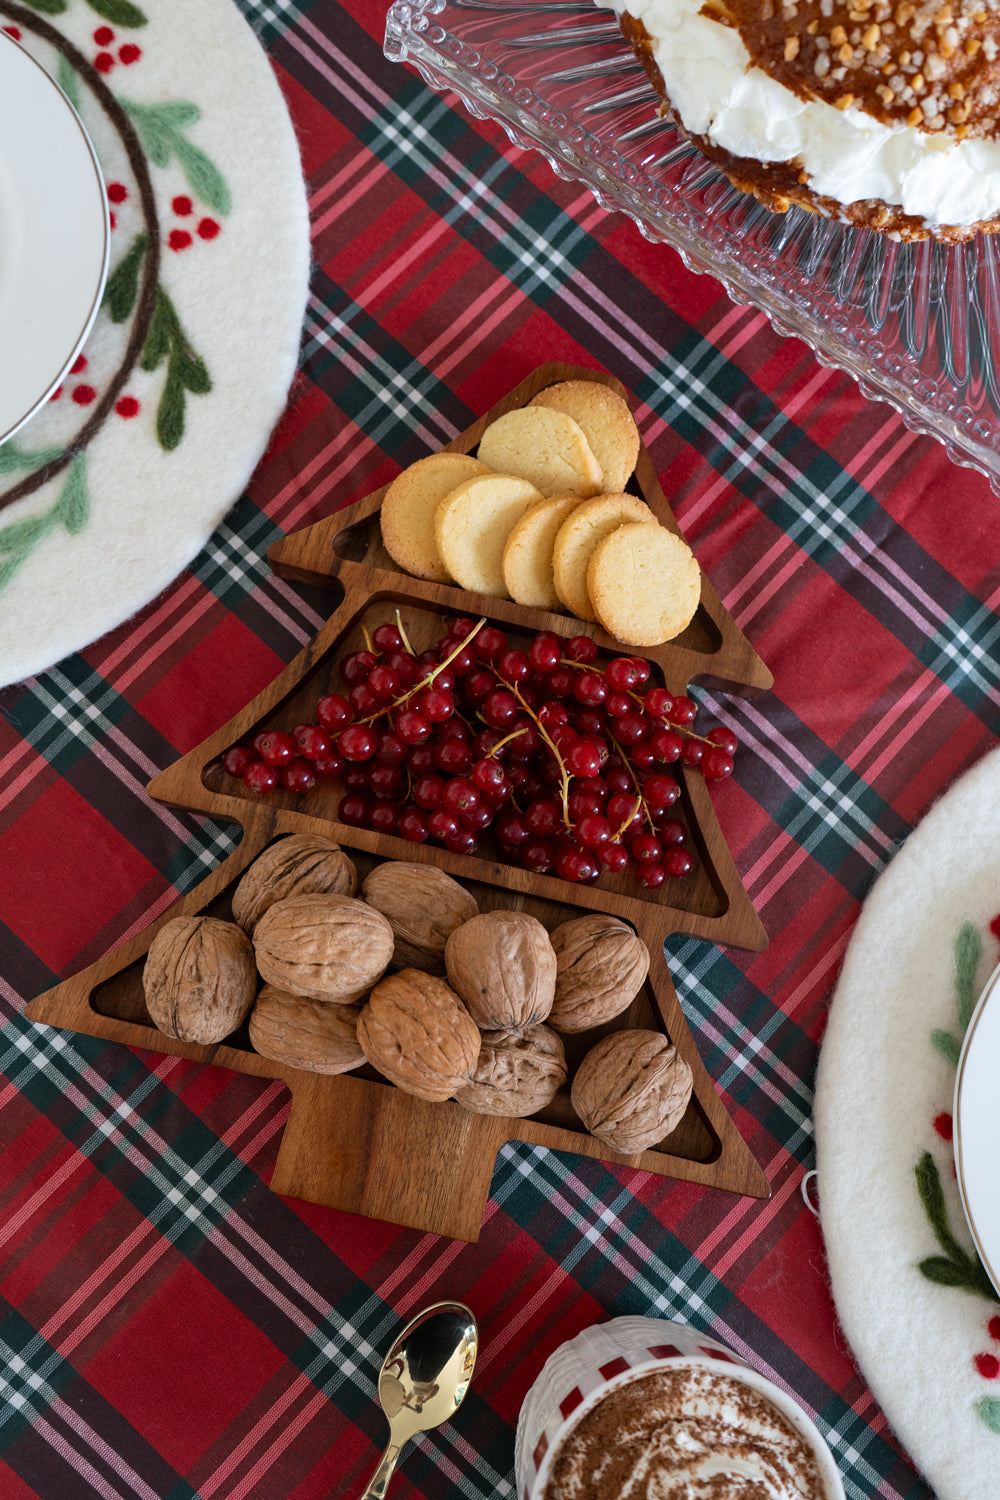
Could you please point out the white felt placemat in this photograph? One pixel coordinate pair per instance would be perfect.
(124, 475)
(929, 1350)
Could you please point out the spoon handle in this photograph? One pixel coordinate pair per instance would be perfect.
(379, 1482)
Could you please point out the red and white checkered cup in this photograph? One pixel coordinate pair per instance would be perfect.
(600, 1359)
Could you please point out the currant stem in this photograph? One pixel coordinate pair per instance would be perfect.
(425, 682)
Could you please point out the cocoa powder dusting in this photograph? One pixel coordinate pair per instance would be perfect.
(687, 1433)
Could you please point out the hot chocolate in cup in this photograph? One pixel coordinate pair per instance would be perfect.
(651, 1409)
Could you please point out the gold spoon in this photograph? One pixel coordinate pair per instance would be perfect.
(424, 1379)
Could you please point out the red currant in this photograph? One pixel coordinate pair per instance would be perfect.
(581, 648)
(357, 742)
(678, 863)
(333, 711)
(313, 742)
(355, 668)
(386, 638)
(260, 777)
(621, 674)
(277, 748)
(298, 775)
(682, 712)
(545, 652)
(716, 764)
(724, 738)
(236, 759)
(412, 825)
(412, 726)
(353, 810)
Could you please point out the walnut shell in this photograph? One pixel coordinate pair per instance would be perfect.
(632, 1089)
(308, 1034)
(415, 1030)
(601, 965)
(423, 906)
(326, 947)
(199, 978)
(503, 966)
(515, 1075)
(302, 864)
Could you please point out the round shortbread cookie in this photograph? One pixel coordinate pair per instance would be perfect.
(408, 509)
(579, 535)
(606, 422)
(644, 584)
(527, 556)
(472, 525)
(544, 446)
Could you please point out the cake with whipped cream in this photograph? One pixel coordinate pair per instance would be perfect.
(882, 113)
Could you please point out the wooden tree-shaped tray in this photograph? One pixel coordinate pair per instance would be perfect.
(353, 1141)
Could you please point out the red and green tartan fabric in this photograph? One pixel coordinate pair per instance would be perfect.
(168, 1327)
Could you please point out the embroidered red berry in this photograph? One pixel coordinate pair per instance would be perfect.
(127, 407)
(208, 229)
(14, 31)
(182, 205)
(994, 1327)
(995, 926)
(944, 1126)
(117, 192)
(104, 36)
(83, 395)
(179, 239)
(56, 393)
(988, 1366)
(79, 365)
(130, 53)
(104, 62)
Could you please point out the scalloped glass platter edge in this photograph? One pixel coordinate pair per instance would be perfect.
(917, 325)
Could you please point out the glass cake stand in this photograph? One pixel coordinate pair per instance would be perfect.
(915, 324)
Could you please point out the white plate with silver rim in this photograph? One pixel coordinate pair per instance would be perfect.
(54, 236)
(977, 1127)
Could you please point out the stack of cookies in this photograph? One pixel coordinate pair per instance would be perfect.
(541, 516)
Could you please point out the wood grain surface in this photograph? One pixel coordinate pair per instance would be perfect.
(353, 1141)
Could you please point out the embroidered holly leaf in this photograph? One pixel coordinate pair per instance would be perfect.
(204, 177)
(186, 370)
(162, 127)
(955, 1267)
(968, 950)
(192, 373)
(119, 12)
(73, 507)
(69, 82)
(158, 335)
(13, 458)
(123, 284)
(949, 1045)
(988, 1408)
(942, 1270)
(48, 7)
(23, 534)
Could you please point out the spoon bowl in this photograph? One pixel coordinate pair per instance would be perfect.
(424, 1378)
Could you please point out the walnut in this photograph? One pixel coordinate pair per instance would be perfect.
(308, 1034)
(423, 906)
(601, 966)
(515, 1075)
(199, 978)
(303, 864)
(503, 966)
(415, 1030)
(631, 1089)
(326, 947)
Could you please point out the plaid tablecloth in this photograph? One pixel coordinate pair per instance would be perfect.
(168, 1327)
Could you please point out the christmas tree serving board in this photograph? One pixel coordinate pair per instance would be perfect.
(353, 1141)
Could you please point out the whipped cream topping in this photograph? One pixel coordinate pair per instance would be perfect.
(846, 154)
(685, 1433)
